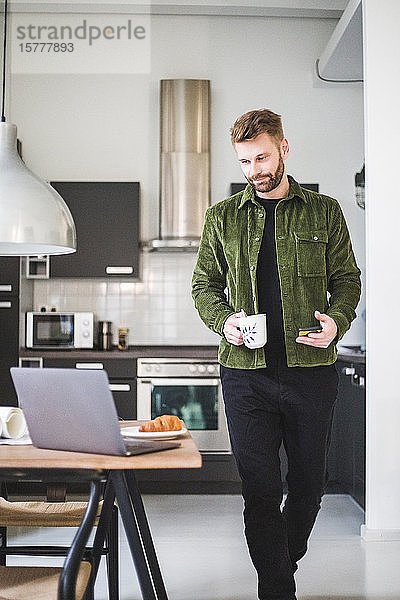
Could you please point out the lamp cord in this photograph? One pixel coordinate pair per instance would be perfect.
(3, 87)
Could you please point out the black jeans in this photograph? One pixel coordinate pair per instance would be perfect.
(265, 407)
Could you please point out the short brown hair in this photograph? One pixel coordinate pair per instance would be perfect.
(253, 123)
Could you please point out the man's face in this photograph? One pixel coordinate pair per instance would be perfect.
(262, 161)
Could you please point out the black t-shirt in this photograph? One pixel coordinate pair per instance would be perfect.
(269, 289)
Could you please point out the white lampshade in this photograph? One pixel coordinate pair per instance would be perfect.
(34, 219)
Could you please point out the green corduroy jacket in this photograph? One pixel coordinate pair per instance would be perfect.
(316, 266)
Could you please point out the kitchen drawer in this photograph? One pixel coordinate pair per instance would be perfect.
(124, 393)
(9, 275)
(121, 374)
(116, 368)
(9, 315)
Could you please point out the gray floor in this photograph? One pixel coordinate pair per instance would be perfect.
(203, 556)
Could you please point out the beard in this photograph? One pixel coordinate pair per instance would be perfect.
(266, 182)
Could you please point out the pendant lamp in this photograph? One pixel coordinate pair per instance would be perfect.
(34, 219)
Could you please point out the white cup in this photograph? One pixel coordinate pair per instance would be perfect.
(12, 422)
(254, 330)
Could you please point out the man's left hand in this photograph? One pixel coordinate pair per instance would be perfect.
(323, 339)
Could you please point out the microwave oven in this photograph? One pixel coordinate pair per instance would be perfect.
(59, 330)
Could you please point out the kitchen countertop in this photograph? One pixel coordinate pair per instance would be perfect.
(134, 352)
(352, 354)
(346, 353)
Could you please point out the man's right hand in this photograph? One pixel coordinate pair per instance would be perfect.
(231, 330)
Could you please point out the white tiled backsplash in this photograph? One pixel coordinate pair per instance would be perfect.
(158, 309)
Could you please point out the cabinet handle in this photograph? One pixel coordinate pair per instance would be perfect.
(119, 270)
(89, 366)
(348, 370)
(6, 288)
(5, 304)
(120, 387)
(358, 380)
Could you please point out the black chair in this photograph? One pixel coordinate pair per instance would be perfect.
(62, 513)
(69, 583)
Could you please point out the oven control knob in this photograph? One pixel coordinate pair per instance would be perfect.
(192, 368)
(211, 369)
(157, 368)
(85, 322)
(202, 369)
(148, 368)
(85, 334)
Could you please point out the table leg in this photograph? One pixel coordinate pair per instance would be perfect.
(3, 544)
(112, 559)
(146, 536)
(128, 515)
(3, 530)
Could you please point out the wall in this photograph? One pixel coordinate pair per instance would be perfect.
(105, 127)
(157, 310)
(300, 5)
(383, 213)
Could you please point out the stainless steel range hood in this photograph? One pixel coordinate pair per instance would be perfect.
(184, 162)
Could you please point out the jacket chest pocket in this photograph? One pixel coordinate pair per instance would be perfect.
(310, 253)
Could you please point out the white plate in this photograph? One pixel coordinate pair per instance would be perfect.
(133, 432)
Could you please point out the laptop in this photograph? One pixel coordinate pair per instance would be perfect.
(74, 410)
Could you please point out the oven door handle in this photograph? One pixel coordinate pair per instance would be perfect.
(180, 381)
(143, 400)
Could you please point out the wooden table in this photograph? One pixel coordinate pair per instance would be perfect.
(27, 462)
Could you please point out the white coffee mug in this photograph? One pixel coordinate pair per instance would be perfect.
(12, 422)
(254, 330)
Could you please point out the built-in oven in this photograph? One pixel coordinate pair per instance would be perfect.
(190, 389)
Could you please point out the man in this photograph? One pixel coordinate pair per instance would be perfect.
(278, 249)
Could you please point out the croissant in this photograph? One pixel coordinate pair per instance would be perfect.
(162, 423)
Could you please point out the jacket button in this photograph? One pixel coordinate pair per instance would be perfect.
(315, 237)
(257, 239)
(261, 215)
(280, 237)
(252, 268)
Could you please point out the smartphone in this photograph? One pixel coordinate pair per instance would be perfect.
(306, 330)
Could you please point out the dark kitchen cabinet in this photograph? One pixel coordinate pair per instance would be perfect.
(218, 475)
(121, 373)
(106, 216)
(346, 458)
(9, 326)
(346, 462)
(9, 275)
(124, 393)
